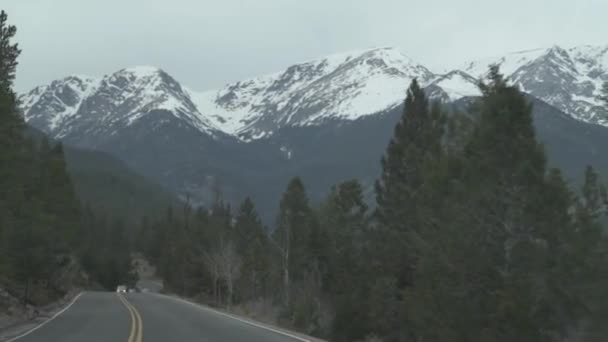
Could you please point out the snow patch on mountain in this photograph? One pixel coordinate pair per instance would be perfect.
(287, 152)
(228, 119)
(509, 63)
(453, 86)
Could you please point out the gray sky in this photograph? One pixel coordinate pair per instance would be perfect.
(205, 44)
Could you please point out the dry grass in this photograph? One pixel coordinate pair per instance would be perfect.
(261, 310)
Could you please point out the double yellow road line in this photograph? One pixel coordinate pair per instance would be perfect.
(137, 327)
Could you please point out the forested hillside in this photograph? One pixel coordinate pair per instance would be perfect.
(108, 186)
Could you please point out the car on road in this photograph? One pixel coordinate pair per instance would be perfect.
(121, 289)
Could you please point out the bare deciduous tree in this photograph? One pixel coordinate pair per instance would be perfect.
(224, 263)
(211, 261)
(230, 267)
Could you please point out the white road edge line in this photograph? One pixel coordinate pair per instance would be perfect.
(257, 325)
(48, 320)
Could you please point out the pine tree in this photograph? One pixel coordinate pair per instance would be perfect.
(252, 240)
(8, 54)
(248, 226)
(344, 219)
(60, 197)
(416, 138)
(416, 143)
(588, 256)
(12, 142)
(505, 177)
(291, 237)
(11, 127)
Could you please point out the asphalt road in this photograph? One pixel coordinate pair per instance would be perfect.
(137, 317)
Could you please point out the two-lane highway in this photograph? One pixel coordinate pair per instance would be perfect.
(141, 317)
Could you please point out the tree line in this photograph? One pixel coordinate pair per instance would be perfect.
(472, 238)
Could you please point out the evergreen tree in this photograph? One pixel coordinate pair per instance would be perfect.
(344, 219)
(252, 240)
(588, 257)
(291, 237)
(416, 139)
(248, 225)
(416, 143)
(12, 142)
(59, 195)
(505, 180)
(415, 147)
(11, 135)
(8, 54)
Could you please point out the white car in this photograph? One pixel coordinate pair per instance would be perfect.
(121, 289)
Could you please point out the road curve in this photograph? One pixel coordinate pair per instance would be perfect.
(135, 317)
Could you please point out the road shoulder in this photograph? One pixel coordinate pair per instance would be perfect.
(45, 315)
(243, 319)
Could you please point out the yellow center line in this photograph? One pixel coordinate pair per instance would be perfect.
(140, 331)
(133, 320)
(136, 333)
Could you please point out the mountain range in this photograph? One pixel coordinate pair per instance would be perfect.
(327, 120)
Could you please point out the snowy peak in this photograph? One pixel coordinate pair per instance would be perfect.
(48, 106)
(344, 86)
(80, 105)
(134, 92)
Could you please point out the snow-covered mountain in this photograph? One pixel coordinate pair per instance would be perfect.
(91, 108)
(345, 86)
(341, 87)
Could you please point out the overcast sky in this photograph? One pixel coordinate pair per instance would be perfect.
(207, 43)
